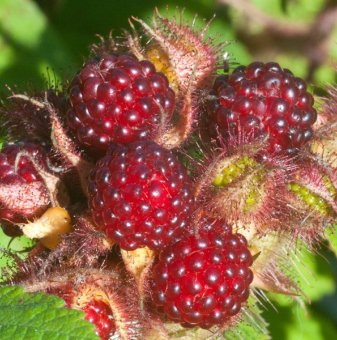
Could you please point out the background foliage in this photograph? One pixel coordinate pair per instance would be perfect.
(46, 41)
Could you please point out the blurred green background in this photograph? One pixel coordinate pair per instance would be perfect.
(46, 41)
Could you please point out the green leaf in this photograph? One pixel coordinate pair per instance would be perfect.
(315, 276)
(311, 272)
(300, 10)
(331, 236)
(113, 16)
(39, 316)
(290, 318)
(292, 321)
(8, 245)
(28, 46)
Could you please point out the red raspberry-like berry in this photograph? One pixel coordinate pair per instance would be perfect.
(96, 311)
(17, 174)
(140, 195)
(118, 99)
(203, 280)
(99, 313)
(264, 99)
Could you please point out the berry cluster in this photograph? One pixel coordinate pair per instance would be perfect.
(120, 185)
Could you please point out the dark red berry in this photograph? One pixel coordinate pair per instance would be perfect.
(106, 298)
(263, 99)
(119, 99)
(99, 313)
(23, 193)
(13, 168)
(96, 311)
(203, 280)
(140, 195)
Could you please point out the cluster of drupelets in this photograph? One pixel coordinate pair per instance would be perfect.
(200, 186)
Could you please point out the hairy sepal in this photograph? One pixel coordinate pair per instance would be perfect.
(53, 182)
(271, 264)
(324, 143)
(320, 181)
(245, 192)
(186, 57)
(326, 124)
(59, 139)
(24, 201)
(67, 149)
(176, 46)
(27, 117)
(138, 263)
(84, 246)
(311, 198)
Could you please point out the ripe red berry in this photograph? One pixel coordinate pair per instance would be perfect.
(96, 311)
(118, 99)
(23, 193)
(264, 99)
(99, 313)
(203, 280)
(108, 300)
(140, 195)
(24, 169)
